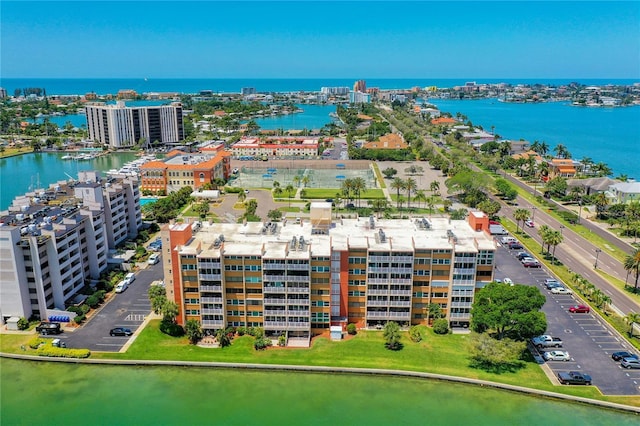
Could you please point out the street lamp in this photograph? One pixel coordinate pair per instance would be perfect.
(595, 266)
(533, 215)
(561, 229)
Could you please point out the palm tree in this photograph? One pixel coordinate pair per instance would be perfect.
(242, 195)
(553, 239)
(277, 192)
(601, 201)
(290, 190)
(544, 148)
(378, 205)
(602, 169)
(632, 265)
(543, 231)
(296, 180)
(632, 216)
(632, 318)
(434, 186)
(398, 185)
(409, 185)
(420, 196)
(562, 151)
(520, 215)
(359, 186)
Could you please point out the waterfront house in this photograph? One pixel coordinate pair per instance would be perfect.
(592, 185)
(624, 192)
(390, 141)
(563, 167)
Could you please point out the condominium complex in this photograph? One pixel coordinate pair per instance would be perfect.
(255, 147)
(333, 91)
(300, 278)
(180, 169)
(54, 241)
(120, 126)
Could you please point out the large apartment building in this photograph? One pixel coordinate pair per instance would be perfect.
(180, 169)
(300, 278)
(120, 126)
(54, 241)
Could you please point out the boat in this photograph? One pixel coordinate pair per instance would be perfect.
(67, 157)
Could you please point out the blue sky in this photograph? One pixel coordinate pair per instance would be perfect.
(331, 39)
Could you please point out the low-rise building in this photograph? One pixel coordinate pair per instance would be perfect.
(180, 169)
(624, 192)
(278, 147)
(390, 141)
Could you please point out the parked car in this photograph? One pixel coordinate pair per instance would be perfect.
(529, 223)
(550, 283)
(579, 309)
(129, 278)
(521, 255)
(153, 259)
(47, 328)
(630, 362)
(507, 240)
(574, 378)
(120, 331)
(557, 356)
(508, 280)
(122, 286)
(560, 290)
(617, 356)
(515, 246)
(531, 264)
(546, 341)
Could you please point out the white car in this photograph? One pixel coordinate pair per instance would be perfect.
(529, 223)
(557, 356)
(560, 290)
(122, 286)
(153, 259)
(129, 278)
(508, 280)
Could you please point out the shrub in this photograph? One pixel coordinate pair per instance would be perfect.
(35, 342)
(75, 309)
(441, 326)
(282, 340)
(79, 318)
(84, 308)
(100, 294)
(241, 331)
(414, 334)
(52, 351)
(261, 343)
(351, 329)
(93, 301)
(171, 328)
(23, 323)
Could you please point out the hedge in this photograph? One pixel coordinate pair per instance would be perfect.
(52, 351)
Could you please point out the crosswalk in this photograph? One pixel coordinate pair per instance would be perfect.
(135, 317)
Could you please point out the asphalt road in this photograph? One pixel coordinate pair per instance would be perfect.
(127, 309)
(589, 340)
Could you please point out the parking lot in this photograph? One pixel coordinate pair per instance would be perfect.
(589, 340)
(128, 309)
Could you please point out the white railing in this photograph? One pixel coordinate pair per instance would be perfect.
(211, 311)
(400, 292)
(210, 277)
(210, 288)
(399, 303)
(272, 266)
(211, 300)
(400, 315)
(298, 325)
(298, 289)
(298, 313)
(464, 315)
(461, 304)
(273, 289)
(377, 302)
(212, 323)
(275, 324)
(298, 278)
(298, 267)
(378, 292)
(298, 302)
(271, 278)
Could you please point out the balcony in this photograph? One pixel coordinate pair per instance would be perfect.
(461, 304)
(211, 300)
(298, 289)
(460, 315)
(211, 311)
(298, 302)
(298, 278)
(212, 323)
(211, 265)
(404, 316)
(400, 292)
(298, 325)
(210, 277)
(298, 267)
(382, 303)
(268, 301)
(275, 325)
(378, 292)
(298, 313)
(401, 303)
(273, 266)
(217, 288)
(274, 289)
(377, 280)
(271, 278)
(464, 271)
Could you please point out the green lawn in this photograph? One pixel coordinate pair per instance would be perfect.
(379, 176)
(324, 193)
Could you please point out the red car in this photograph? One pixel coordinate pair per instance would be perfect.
(531, 264)
(579, 309)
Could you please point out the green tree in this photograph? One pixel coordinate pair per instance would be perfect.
(351, 329)
(410, 185)
(420, 196)
(275, 215)
(193, 331)
(632, 318)
(554, 238)
(495, 355)
(489, 207)
(389, 172)
(291, 191)
(391, 336)
(601, 201)
(398, 185)
(508, 311)
(520, 215)
(157, 297)
(632, 265)
(169, 311)
(441, 326)
(414, 334)
(222, 336)
(242, 196)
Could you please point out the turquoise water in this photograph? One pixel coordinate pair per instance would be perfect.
(22, 173)
(610, 135)
(39, 393)
(313, 117)
(144, 201)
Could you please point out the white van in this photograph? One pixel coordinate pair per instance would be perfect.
(129, 278)
(122, 286)
(153, 259)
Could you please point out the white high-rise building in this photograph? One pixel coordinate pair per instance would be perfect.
(120, 126)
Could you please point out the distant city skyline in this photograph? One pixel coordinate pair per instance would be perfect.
(264, 39)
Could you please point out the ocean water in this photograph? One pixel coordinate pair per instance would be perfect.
(609, 135)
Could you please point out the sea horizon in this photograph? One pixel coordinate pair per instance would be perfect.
(103, 86)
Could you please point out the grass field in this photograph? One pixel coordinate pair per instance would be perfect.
(323, 193)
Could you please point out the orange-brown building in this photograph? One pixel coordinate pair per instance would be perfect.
(564, 167)
(390, 141)
(444, 121)
(300, 279)
(182, 169)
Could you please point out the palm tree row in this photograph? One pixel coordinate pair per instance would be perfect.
(591, 292)
(632, 265)
(550, 238)
(353, 188)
